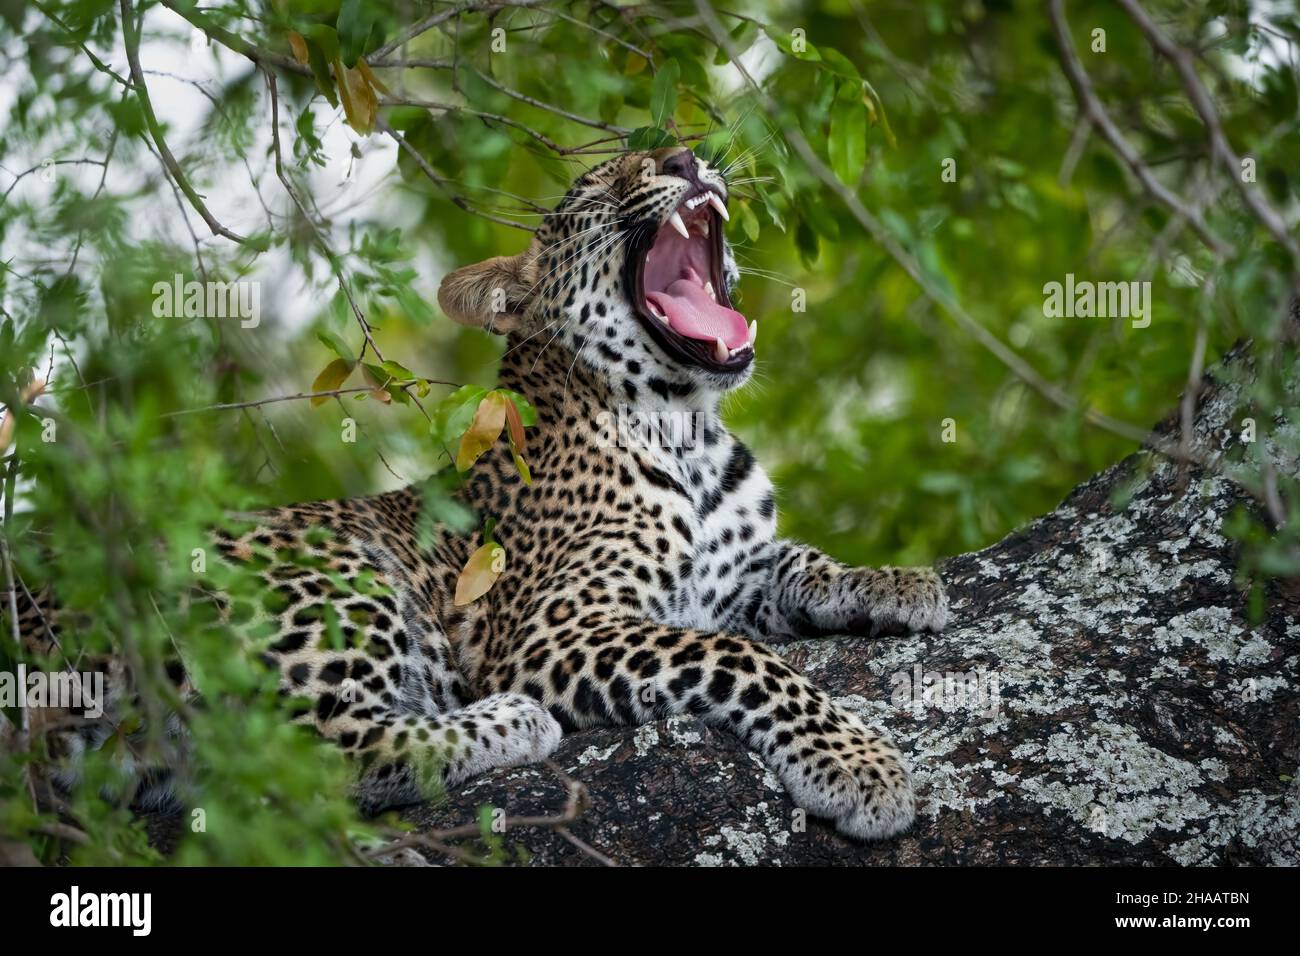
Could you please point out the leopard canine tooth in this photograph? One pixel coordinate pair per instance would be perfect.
(719, 205)
(753, 331)
(709, 289)
(676, 220)
(720, 350)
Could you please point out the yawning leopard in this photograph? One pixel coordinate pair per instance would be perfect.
(643, 570)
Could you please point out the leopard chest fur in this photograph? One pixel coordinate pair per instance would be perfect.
(701, 520)
(728, 510)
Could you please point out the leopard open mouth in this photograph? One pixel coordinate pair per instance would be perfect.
(675, 280)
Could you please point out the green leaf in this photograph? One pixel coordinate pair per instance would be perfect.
(320, 69)
(773, 210)
(323, 37)
(663, 92)
(847, 143)
(713, 148)
(356, 21)
(610, 104)
(336, 344)
(649, 137)
(522, 467)
(453, 414)
(786, 40)
(742, 38)
(382, 379)
(398, 371)
(748, 221)
(878, 114)
(127, 115)
(805, 238)
(819, 217)
(838, 63)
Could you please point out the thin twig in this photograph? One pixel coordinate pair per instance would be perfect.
(577, 802)
(334, 262)
(431, 21)
(330, 393)
(131, 38)
(493, 117)
(442, 183)
(42, 165)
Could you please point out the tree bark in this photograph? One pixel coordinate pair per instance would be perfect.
(1122, 705)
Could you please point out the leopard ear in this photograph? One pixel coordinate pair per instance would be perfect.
(492, 295)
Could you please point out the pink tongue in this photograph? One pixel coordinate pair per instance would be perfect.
(691, 312)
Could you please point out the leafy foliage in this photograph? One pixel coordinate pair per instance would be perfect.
(354, 152)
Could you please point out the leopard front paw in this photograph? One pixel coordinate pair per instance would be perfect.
(857, 779)
(903, 601)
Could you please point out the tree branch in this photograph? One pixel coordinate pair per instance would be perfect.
(1091, 108)
(1220, 147)
(262, 57)
(531, 101)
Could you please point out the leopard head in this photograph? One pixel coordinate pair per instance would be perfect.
(631, 273)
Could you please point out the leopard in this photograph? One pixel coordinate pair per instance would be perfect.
(643, 574)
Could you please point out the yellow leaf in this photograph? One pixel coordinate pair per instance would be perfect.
(483, 431)
(330, 379)
(299, 47)
(358, 92)
(368, 97)
(480, 573)
(353, 110)
(373, 80)
(871, 108)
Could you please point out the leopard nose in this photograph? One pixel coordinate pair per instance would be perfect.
(680, 164)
